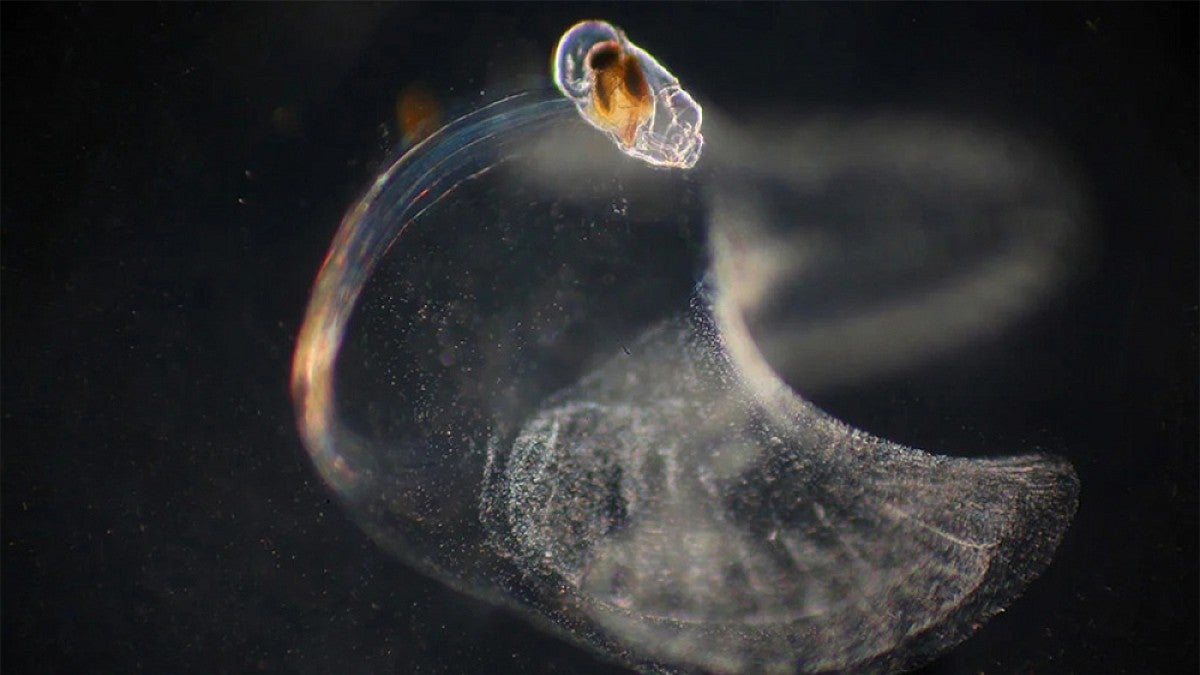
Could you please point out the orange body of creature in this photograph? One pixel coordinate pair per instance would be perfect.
(621, 98)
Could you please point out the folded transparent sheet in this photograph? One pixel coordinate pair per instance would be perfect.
(532, 367)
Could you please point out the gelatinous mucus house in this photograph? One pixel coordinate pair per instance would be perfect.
(632, 472)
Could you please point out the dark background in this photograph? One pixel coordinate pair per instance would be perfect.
(172, 175)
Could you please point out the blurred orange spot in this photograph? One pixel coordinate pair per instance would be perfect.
(417, 113)
(285, 120)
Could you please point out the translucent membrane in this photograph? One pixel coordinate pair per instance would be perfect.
(621, 90)
(535, 371)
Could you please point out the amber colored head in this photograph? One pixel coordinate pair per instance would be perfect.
(621, 97)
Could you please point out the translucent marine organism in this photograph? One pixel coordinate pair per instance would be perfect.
(622, 90)
(704, 514)
(559, 407)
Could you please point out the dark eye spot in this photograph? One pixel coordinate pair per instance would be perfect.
(604, 55)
